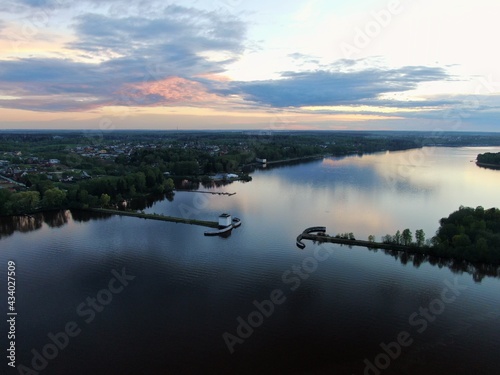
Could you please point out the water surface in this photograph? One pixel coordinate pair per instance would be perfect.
(189, 290)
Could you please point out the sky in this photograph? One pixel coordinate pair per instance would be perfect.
(264, 65)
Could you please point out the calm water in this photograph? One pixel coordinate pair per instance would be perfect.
(185, 292)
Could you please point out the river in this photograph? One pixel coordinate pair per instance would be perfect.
(98, 294)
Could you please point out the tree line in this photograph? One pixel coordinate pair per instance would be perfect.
(44, 194)
(404, 238)
(489, 158)
(470, 234)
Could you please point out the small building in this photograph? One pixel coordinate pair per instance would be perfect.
(54, 161)
(225, 220)
(263, 161)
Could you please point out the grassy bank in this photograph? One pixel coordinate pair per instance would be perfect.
(210, 224)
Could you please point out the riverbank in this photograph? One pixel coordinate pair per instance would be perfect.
(360, 243)
(410, 250)
(489, 166)
(312, 157)
(209, 224)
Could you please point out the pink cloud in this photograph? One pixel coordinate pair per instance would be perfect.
(172, 90)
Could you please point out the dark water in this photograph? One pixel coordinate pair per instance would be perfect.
(335, 307)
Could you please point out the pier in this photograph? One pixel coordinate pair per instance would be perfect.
(307, 232)
(209, 192)
(321, 237)
(210, 224)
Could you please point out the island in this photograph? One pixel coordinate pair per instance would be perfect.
(489, 160)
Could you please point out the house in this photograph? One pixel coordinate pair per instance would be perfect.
(225, 220)
(54, 161)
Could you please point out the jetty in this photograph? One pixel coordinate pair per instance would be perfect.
(210, 192)
(321, 236)
(226, 224)
(210, 224)
(307, 232)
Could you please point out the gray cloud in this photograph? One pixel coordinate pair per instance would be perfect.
(37, 3)
(175, 42)
(193, 29)
(326, 88)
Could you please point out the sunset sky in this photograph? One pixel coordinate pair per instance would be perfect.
(237, 64)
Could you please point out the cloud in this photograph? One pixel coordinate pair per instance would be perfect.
(30, 6)
(186, 29)
(37, 3)
(53, 3)
(300, 57)
(328, 88)
(178, 43)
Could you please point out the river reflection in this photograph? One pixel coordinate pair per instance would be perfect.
(477, 271)
(57, 219)
(27, 223)
(188, 289)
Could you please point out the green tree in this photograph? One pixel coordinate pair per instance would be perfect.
(83, 197)
(150, 178)
(461, 241)
(407, 237)
(121, 186)
(388, 239)
(397, 239)
(420, 237)
(169, 185)
(483, 250)
(371, 238)
(4, 201)
(53, 198)
(42, 185)
(140, 182)
(104, 200)
(24, 202)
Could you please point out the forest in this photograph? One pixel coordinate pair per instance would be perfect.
(44, 194)
(470, 234)
(489, 158)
